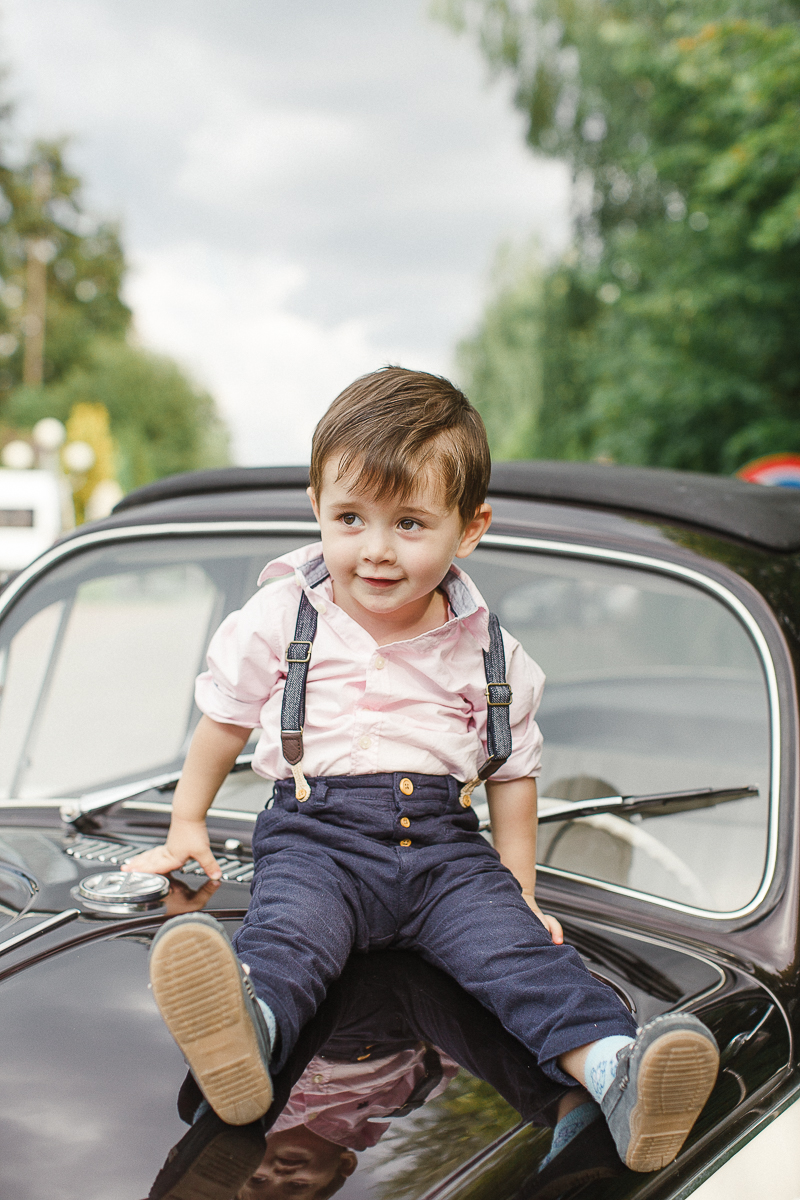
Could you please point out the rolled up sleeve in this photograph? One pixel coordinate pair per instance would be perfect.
(243, 668)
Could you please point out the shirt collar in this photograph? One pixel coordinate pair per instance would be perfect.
(466, 603)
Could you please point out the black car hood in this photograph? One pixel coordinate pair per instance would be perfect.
(90, 1076)
(91, 1079)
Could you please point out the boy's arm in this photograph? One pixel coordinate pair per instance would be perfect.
(213, 751)
(512, 811)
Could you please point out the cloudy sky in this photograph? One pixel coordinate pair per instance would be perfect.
(307, 190)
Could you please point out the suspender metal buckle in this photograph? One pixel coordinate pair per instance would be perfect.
(505, 691)
(292, 659)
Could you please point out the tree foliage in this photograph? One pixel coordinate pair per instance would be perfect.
(668, 334)
(85, 267)
(428, 1145)
(503, 360)
(160, 422)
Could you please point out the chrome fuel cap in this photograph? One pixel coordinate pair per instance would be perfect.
(117, 892)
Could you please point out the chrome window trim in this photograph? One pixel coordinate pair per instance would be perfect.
(677, 570)
(139, 532)
(500, 541)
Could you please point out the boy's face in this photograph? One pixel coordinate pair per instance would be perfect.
(297, 1163)
(387, 558)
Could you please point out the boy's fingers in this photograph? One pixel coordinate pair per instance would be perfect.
(159, 861)
(209, 864)
(556, 932)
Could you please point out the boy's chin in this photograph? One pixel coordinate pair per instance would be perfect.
(380, 600)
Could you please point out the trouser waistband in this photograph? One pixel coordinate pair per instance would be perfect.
(373, 804)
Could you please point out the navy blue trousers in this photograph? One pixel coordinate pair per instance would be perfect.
(331, 876)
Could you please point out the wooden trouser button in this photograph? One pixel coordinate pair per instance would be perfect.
(406, 787)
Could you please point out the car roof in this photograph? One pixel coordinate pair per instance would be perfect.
(762, 516)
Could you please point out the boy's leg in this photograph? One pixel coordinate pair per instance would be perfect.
(544, 995)
(303, 921)
(296, 938)
(476, 926)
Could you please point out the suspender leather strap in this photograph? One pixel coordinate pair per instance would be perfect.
(298, 656)
(498, 700)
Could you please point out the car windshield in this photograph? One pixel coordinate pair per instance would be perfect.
(653, 685)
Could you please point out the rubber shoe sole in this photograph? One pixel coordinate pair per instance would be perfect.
(198, 987)
(672, 1079)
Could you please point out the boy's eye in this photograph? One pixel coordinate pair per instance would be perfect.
(407, 525)
(349, 519)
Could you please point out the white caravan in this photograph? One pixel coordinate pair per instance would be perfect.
(30, 516)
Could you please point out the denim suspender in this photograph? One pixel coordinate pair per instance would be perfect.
(293, 708)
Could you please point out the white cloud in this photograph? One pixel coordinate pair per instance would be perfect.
(240, 152)
(306, 191)
(227, 317)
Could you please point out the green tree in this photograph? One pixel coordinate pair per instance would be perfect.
(83, 259)
(502, 361)
(669, 334)
(160, 421)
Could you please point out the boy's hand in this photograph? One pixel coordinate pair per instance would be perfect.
(550, 923)
(185, 840)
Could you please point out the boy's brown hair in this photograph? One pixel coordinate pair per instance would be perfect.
(391, 424)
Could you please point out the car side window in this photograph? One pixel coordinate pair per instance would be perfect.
(101, 658)
(653, 685)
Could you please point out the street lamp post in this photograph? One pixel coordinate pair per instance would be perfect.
(39, 253)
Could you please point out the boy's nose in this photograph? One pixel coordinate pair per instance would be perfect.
(378, 548)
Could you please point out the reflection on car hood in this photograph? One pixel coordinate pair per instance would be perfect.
(95, 1093)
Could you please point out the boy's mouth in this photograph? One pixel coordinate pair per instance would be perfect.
(377, 582)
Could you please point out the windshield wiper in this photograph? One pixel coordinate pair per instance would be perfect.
(655, 804)
(96, 802)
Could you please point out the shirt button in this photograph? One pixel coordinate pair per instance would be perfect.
(404, 821)
(380, 663)
(406, 787)
(365, 743)
(406, 842)
(318, 1078)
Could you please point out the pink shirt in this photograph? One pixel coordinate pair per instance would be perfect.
(417, 705)
(339, 1099)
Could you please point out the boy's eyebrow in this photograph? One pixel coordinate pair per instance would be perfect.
(412, 510)
(405, 510)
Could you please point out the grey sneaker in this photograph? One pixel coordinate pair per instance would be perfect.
(662, 1083)
(210, 1008)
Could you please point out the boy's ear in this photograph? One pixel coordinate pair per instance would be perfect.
(313, 498)
(474, 530)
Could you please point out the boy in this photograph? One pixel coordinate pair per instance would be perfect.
(414, 696)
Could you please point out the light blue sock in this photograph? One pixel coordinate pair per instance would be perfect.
(569, 1127)
(601, 1064)
(269, 1017)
